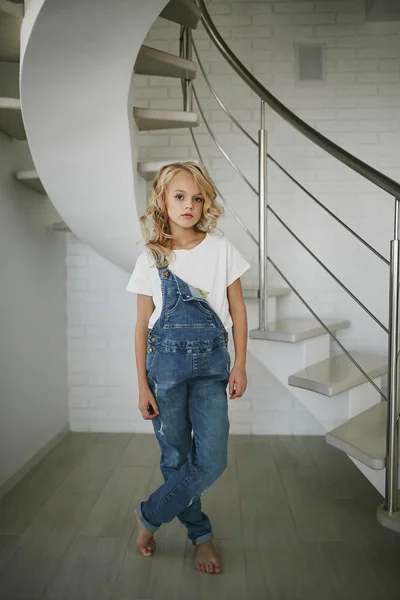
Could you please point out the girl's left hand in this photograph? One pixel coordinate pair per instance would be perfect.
(237, 382)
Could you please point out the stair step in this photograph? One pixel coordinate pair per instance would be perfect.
(31, 179)
(183, 12)
(338, 374)
(273, 292)
(151, 61)
(11, 118)
(149, 119)
(10, 26)
(149, 169)
(296, 329)
(363, 437)
(60, 226)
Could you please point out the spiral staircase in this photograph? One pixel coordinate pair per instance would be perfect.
(79, 119)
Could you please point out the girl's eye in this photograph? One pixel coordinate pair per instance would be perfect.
(199, 199)
(179, 197)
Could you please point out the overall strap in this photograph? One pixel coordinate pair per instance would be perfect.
(184, 289)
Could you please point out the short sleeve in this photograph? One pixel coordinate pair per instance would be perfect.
(140, 282)
(236, 265)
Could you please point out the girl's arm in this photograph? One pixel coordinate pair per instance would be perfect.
(237, 309)
(144, 310)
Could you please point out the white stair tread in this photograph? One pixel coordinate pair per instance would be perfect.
(149, 169)
(363, 437)
(11, 118)
(151, 61)
(61, 226)
(148, 119)
(297, 329)
(31, 179)
(338, 374)
(273, 292)
(10, 26)
(183, 12)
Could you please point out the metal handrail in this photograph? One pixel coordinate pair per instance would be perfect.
(250, 137)
(354, 163)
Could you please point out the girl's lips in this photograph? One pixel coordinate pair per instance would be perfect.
(187, 216)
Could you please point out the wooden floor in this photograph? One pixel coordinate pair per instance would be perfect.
(293, 520)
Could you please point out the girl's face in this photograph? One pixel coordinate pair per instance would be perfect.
(184, 201)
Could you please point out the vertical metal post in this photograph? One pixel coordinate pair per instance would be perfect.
(186, 52)
(262, 215)
(391, 499)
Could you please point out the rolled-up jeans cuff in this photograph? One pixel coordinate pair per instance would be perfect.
(202, 539)
(146, 524)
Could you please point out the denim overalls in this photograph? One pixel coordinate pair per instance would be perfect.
(188, 367)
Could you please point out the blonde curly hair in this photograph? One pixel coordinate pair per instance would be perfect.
(158, 236)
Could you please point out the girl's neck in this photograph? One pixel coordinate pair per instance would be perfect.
(185, 238)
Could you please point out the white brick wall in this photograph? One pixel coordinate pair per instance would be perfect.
(358, 107)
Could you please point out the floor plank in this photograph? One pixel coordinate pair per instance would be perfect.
(44, 545)
(231, 583)
(341, 476)
(89, 569)
(350, 575)
(221, 504)
(316, 514)
(285, 505)
(143, 450)
(112, 514)
(9, 545)
(19, 507)
(265, 510)
(96, 467)
(158, 577)
(288, 571)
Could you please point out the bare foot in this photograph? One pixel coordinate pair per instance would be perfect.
(207, 559)
(146, 543)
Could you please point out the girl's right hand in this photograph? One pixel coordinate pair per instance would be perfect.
(147, 405)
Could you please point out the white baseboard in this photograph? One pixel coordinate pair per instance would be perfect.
(36, 458)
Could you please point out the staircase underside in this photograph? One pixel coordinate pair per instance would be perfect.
(338, 374)
(149, 119)
(363, 437)
(296, 329)
(151, 61)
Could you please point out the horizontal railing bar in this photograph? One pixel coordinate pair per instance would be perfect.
(304, 189)
(330, 213)
(315, 257)
(365, 170)
(220, 148)
(328, 330)
(239, 220)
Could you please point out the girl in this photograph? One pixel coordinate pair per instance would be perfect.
(189, 295)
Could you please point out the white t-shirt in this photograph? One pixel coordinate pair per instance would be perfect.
(211, 267)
